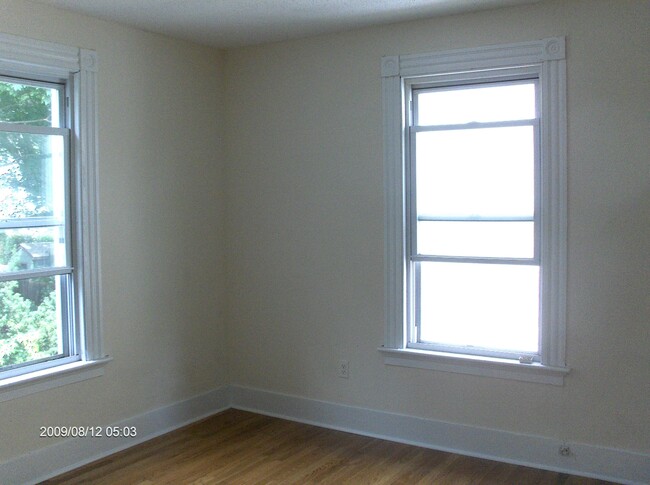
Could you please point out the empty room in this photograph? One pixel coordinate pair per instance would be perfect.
(324, 241)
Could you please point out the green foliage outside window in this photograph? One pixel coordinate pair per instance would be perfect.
(27, 332)
(21, 155)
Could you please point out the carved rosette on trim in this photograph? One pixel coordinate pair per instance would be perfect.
(554, 49)
(389, 66)
(88, 60)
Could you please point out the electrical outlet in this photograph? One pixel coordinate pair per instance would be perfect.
(564, 450)
(344, 369)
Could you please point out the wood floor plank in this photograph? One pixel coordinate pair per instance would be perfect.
(238, 447)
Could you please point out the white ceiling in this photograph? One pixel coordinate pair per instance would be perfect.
(231, 23)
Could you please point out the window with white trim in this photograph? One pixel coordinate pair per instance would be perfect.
(475, 172)
(49, 265)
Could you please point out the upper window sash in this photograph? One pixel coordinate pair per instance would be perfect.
(414, 89)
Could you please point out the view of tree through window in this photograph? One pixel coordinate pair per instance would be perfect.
(32, 222)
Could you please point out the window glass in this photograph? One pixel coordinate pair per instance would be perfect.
(512, 239)
(32, 320)
(31, 175)
(476, 172)
(448, 106)
(32, 248)
(486, 306)
(29, 104)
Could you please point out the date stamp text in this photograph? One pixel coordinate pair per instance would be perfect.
(88, 431)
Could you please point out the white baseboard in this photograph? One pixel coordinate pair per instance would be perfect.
(534, 451)
(591, 461)
(66, 455)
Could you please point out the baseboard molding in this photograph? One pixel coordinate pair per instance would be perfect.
(535, 451)
(66, 455)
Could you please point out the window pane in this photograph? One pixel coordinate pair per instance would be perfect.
(480, 239)
(447, 106)
(30, 320)
(485, 172)
(31, 175)
(32, 248)
(480, 305)
(31, 105)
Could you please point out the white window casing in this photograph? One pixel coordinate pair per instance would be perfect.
(546, 59)
(77, 69)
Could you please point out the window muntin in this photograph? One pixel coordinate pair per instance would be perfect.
(474, 236)
(37, 316)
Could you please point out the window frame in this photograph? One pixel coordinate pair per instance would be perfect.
(69, 328)
(76, 68)
(545, 60)
(414, 87)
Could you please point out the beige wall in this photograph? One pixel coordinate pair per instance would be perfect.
(161, 214)
(305, 224)
(284, 243)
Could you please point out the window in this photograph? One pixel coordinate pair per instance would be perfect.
(475, 210)
(36, 307)
(49, 279)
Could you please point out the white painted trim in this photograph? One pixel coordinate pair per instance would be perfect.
(529, 450)
(394, 205)
(475, 365)
(63, 456)
(487, 57)
(42, 380)
(86, 151)
(29, 57)
(554, 200)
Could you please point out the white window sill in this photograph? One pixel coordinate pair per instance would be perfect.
(25, 384)
(470, 364)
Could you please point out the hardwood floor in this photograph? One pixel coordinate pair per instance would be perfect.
(237, 447)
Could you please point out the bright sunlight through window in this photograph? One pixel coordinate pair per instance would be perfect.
(474, 220)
